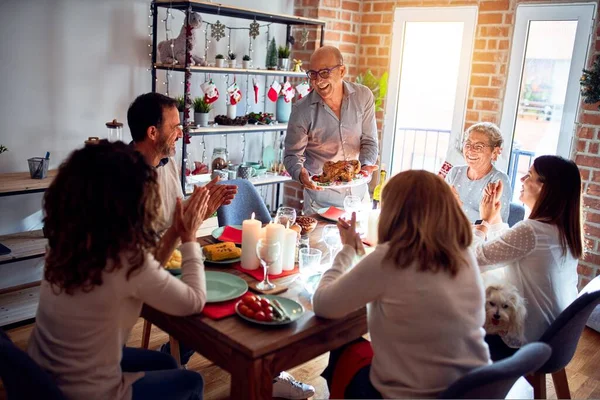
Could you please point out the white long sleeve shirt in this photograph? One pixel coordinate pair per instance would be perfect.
(426, 328)
(79, 339)
(532, 254)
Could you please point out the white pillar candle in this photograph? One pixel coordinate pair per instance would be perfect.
(372, 226)
(275, 235)
(290, 238)
(251, 229)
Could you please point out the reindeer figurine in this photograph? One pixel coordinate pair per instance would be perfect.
(176, 54)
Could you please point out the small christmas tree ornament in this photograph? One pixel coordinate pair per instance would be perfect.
(303, 89)
(272, 55)
(211, 93)
(274, 91)
(235, 95)
(590, 83)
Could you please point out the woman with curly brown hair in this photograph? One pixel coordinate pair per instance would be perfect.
(101, 219)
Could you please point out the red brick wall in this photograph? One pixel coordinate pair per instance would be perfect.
(487, 84)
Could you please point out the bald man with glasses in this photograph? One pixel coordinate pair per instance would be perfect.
(334, 122)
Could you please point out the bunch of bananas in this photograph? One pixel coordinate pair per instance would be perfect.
(174, 261)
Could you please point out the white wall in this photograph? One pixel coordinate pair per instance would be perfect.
(69, 66)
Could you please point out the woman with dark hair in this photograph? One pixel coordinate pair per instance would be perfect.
(541, 252)
(423, 293)
(101, 223)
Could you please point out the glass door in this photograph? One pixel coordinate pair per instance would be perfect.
(427, 93)
(550, 46)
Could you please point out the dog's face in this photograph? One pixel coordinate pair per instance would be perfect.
(504, 310)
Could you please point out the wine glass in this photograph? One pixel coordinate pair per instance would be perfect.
(268, 252)
(331, 237)
(285, 215)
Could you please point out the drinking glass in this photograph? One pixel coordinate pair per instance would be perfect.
(285, 215)
(309, 261)
(354, 204)
(331, 237)
(268, 253)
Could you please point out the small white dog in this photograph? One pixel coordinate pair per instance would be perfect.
(505, 313)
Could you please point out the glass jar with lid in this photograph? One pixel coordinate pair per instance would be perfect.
(219, 158)
(115, 130)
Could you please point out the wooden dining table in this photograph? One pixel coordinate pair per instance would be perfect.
(254, 354)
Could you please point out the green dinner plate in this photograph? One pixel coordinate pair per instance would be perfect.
(219, 231)
(222, 286)
(291, 307)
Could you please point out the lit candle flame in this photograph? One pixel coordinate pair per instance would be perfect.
(252, 216)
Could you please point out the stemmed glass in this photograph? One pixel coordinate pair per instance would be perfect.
(354, 204)
(285, 215)
(331, 237)
(268, 252)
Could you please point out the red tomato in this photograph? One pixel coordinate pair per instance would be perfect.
(267, 309)
(249, 299)
(269, 316)
(249, 313)
(260, 316)
(242, 308)
(255, 306)
(315, 178)
(265, 302)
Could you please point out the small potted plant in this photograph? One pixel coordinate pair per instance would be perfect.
(180, 107)
(246, 62)
(220, 61)
(201, 110)
(3, 149)
(231, 60)
(284, 58)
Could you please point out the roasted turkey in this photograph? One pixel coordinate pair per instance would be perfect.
(340, 171)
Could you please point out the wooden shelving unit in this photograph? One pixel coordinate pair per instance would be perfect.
(236, 71)
(20, 183)
(24, 246)
(227, 129)
(19, 307)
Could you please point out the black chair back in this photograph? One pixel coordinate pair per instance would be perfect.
(494, 381)
(563, 334)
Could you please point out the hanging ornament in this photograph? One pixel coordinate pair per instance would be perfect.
(274, 91)
(304, 37)
(288, 92)
(254, 29)
(303, 89)
(255, 91)
(235, 94)
(211, 93)
(217, 31)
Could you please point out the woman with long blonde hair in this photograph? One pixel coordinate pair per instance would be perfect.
(422, 289)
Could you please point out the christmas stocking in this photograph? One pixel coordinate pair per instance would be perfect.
(303, 89)
(211, 94)
(288, 92)
(255, 92)
(235, 95)
(274, 91)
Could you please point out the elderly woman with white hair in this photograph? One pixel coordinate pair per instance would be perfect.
(481, 148)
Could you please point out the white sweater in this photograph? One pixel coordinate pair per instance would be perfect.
(426, 329)
(79, 338)
(531, 252)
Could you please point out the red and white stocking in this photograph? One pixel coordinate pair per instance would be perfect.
(235, 95)
(255, 92)
(211, 94)
(274, 91)
(303, 89)
(288, 92)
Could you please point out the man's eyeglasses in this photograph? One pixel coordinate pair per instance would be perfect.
(477, 147)
(323, 73)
